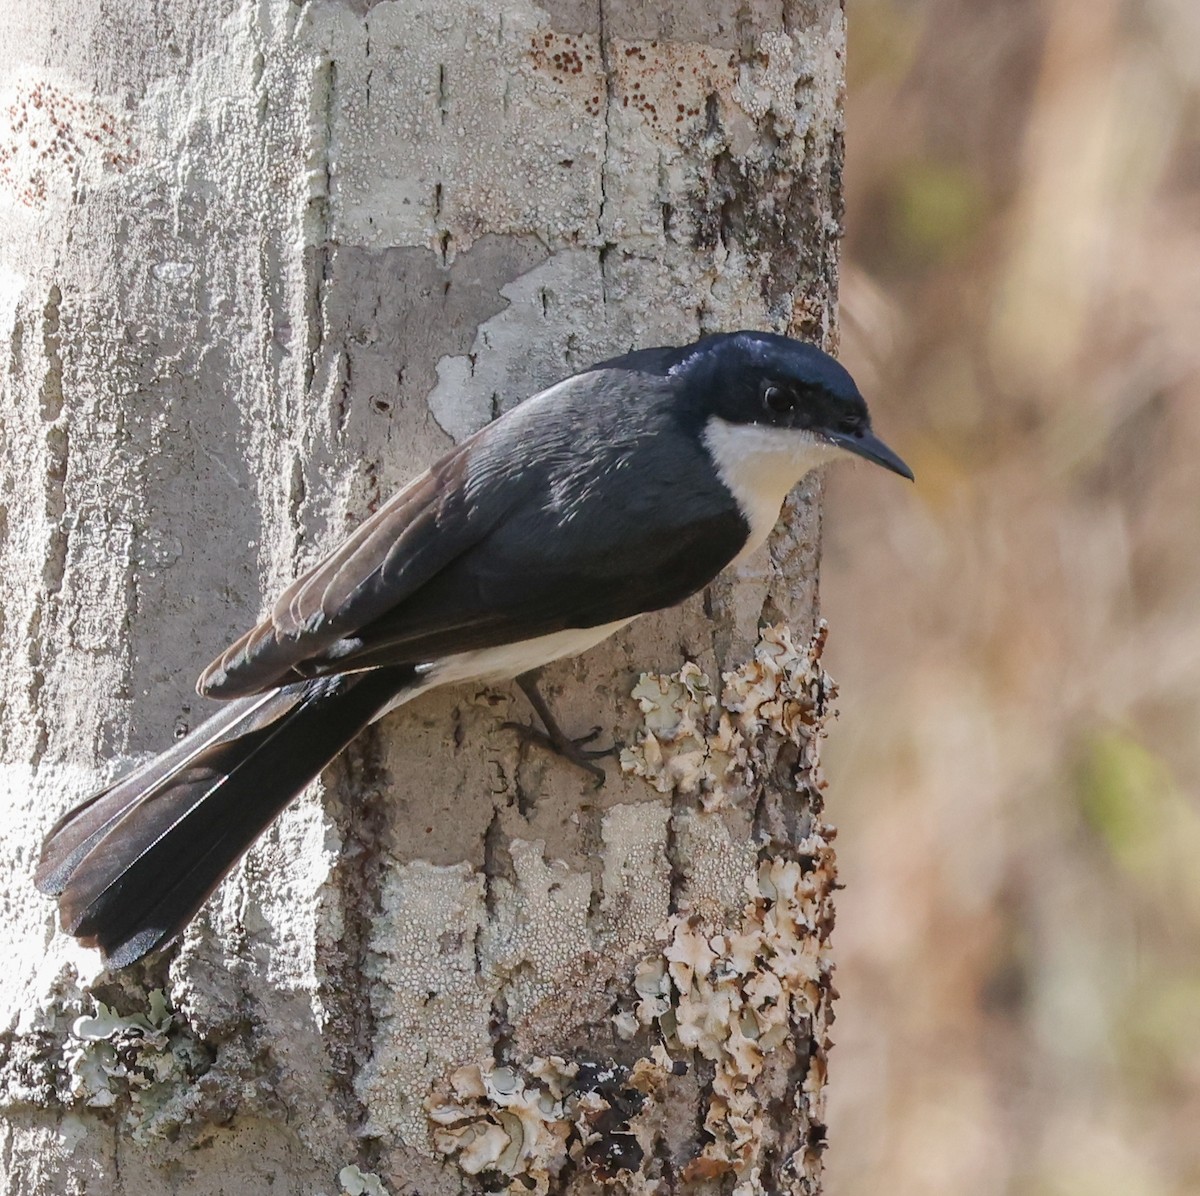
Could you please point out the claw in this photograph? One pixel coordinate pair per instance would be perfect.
(554, 739)
(568, 749)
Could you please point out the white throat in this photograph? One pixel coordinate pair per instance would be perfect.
(759, 464)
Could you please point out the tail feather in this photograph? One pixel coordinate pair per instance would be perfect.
(133, 864)
(80, 829)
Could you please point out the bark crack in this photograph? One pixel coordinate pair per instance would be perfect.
(52, 391)
(321, 214)
(58, 448)
(606, 246)
(362, 783)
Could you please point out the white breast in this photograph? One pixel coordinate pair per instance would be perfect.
(759, 465)
(510, 660)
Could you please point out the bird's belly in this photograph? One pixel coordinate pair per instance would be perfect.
(506, 661)
(510, 660)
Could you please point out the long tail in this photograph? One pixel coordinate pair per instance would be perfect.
(131, 865)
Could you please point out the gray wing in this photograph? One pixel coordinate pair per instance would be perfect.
(507, 538)
(416, 533)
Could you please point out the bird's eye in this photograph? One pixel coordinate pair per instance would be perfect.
(778, 400)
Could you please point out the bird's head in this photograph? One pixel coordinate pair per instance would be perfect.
(788, 393)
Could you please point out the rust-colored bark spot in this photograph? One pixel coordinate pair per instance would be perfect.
(46, 135)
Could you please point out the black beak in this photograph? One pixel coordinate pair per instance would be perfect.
(868, 445)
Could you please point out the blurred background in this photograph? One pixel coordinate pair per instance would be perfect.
(1016, 772)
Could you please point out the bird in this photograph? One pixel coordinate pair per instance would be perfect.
(621, 490)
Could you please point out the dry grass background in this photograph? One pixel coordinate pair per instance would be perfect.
(1016, 774)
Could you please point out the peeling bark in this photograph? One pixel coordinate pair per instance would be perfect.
(261, 263)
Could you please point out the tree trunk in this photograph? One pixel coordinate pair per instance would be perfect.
(262, 263)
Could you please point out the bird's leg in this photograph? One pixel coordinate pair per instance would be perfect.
(554, 738)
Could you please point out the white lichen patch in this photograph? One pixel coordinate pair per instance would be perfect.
(54, 137)
(718, 860)
(539, 929)
(430, 1002)
(739, 975)
(693, 744)
(356, 1182)
(499, 1119)
(736, 993)
(636, 878)
(526, 1123)
(686, 744)
(145, 1057)
(783, 690)
(766, 83)
(440, 967)
(732, 994)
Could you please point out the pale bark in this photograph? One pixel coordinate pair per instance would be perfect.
(261, 262)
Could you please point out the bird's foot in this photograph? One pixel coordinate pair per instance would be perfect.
(566, 747)
(554, 738)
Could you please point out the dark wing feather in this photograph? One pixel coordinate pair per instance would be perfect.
(571, 511)
(419, 531)
(480, 602)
